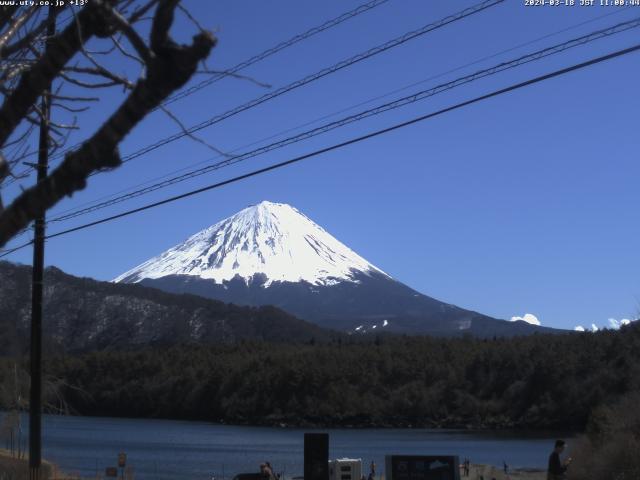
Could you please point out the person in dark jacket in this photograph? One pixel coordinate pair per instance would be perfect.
(557, 468)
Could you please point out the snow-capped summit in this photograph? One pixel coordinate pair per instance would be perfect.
(272, 239)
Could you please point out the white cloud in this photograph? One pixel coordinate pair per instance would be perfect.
(528, 317)
(616, 324)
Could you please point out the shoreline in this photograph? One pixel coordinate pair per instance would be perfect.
(18, 468)
(72, 457)
(305, 424)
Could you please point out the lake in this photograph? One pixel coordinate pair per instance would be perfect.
(167, 449)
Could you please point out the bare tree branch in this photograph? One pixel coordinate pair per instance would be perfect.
(136, 41)
(190, 135)
(14, 69)
(168, 69)
(139, 13)
(122, 50)
(102, 52)
(15, 27)
(6, 50)
(57, 145)
(193, 20)
(4, 167)
(101, 71)
(59, 51)
(21, 138)
(64, 126)
(161, 24)
(68, 108)
(6, 14)
(83, 84)
(75, 98)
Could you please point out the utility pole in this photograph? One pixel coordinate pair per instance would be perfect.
(35, 399)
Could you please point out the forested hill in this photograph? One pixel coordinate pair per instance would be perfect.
(540, 381)
(85, 314)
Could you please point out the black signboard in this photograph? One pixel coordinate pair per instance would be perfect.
(316, 456)
(422, 467)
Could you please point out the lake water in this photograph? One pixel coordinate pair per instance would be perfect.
(165, 449)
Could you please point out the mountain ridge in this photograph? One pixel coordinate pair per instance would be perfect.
(82, 314)
(272, 254)
(372, 305)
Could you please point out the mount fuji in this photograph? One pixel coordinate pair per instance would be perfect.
(272, 240)
(272, 254)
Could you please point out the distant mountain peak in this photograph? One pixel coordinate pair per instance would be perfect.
(272, 240)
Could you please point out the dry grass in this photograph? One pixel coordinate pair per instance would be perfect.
(488, 472)
(13, 468)
(610, 449)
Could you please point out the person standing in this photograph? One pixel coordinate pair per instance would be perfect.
(269, 471)
(557, 469)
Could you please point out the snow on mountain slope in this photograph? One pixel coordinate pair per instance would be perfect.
(273, 239)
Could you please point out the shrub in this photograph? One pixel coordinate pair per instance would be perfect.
(609, 449)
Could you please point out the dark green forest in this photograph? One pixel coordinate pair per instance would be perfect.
(539, 381)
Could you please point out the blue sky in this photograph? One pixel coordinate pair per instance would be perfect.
(526, 203)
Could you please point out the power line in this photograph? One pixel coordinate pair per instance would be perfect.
(479, 7)
(376, 133)
(365, 7)
(324, 117)
(316, 76)
(277, 48)
(5, 253)
(352, 141)
(398, 103)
